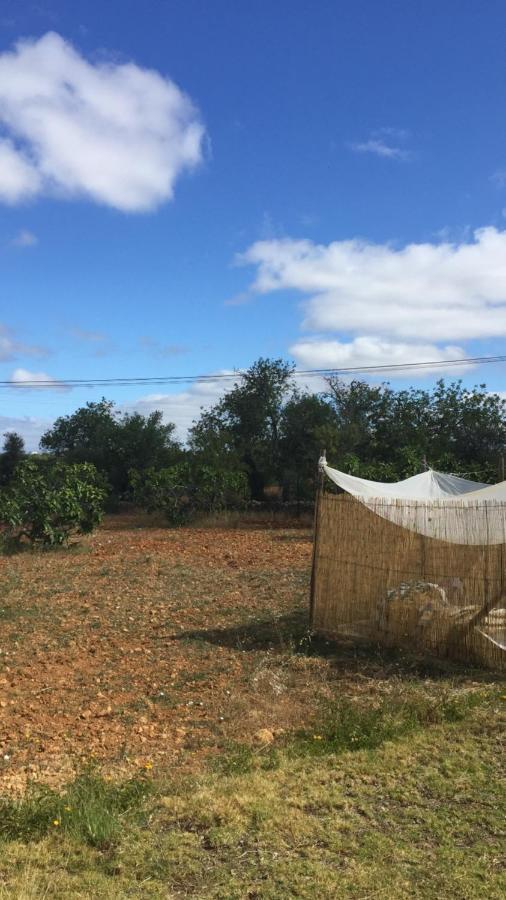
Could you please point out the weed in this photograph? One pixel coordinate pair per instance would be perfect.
(90, 811)
(240, 759)
(348, 725)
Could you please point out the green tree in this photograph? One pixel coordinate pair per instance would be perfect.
(13, 453)
(187, 489)
(246, 423)
(308, 426)
(113, 443)
(47, 504)
(386, 434)
(467, 430)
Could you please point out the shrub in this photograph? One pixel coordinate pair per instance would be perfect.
(182, 491)
(46, 504)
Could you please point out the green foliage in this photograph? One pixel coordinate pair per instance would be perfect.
(47, 504)
(266, 428)
(245, 426)
(387, 435)
(276, 433)
(13, 453)
(187, 489)
(308, 424)
(113, 443)
(240, 759)
(90, 811)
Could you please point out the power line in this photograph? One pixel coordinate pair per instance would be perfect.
(228, 376)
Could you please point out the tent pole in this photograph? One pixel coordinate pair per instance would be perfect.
(316, 530)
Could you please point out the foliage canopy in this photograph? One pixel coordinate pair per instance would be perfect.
(269, 432)
(47, 504)
(114, 443)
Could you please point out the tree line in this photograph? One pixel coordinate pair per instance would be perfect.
(262, 440)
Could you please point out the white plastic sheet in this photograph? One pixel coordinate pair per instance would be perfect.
(437, 505)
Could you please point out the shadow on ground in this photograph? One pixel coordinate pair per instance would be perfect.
(291, 634)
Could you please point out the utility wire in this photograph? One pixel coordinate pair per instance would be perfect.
(300, 373)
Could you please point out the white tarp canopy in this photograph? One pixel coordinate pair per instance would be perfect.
(440, 506)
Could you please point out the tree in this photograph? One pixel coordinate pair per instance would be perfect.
(246, 422)
(48, 504)
(386, 435)
(308, 425)
(112, 442)
(13, 453)
(145, 441)
(187, 489)
(467, 430)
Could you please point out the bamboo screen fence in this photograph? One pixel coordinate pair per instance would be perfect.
(374, 580)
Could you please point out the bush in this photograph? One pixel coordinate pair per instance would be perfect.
(46, 504)
(183, 491)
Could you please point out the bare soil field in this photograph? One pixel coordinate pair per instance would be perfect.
(147, 646)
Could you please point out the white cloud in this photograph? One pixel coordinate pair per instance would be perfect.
(499, 178)
(30, 428)
(10, 347)
(19, 179)
(84, 334)
(372, 351)
(116, 134)
(162, 351)
(385, 142)
(185, 407)
(432, 291)
(379, 148)
(25, 238)
(22, 378)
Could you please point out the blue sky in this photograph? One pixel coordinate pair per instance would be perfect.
(185, 186)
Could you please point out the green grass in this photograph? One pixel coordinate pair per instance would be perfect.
(91, 811)
(348, 725)
(400, 800)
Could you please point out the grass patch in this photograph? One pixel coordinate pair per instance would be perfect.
(91, 811)
(349, 724)
(240, 759)
(422, 818)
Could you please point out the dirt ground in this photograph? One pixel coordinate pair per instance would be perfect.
(149, 647)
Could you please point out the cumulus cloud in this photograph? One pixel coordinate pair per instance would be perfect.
(183, 408)
(436, 291)
(23, 378)
(117, 134)
(19, 178)
(369, 351)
